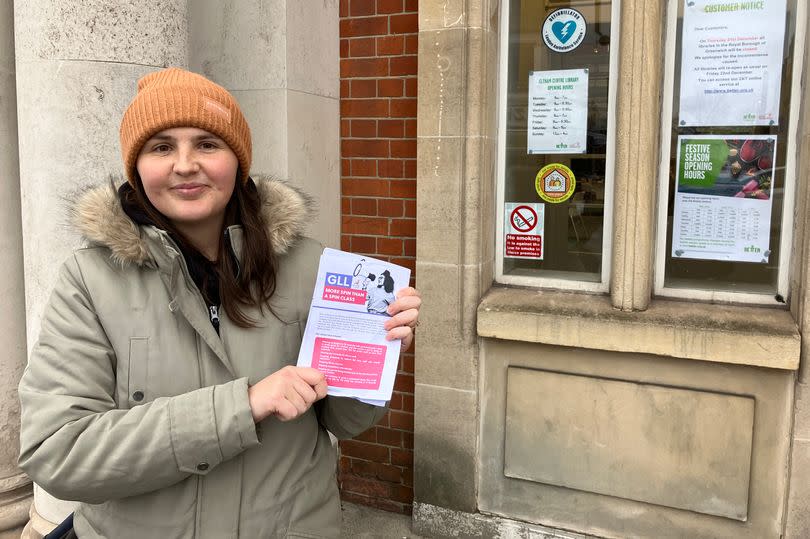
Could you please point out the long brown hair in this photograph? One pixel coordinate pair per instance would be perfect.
(245, 283)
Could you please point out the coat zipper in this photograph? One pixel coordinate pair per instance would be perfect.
(213, 314)
(213, 310)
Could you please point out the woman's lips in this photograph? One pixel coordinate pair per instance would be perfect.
(189, 190)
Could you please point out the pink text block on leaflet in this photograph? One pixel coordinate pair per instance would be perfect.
(348, 364)
(344, 295)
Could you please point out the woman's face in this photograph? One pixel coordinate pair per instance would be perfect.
(380, 280)
(188, 174)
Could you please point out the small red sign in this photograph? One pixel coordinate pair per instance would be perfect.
(524, 246)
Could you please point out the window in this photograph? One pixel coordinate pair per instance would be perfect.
(556, 146)
(727, 167)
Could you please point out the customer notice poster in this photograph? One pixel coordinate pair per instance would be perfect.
(558, 111)
(344, 337)
(731, 62)
(723, 197)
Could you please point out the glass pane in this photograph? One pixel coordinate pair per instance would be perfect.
(747, 161)
(558, 59)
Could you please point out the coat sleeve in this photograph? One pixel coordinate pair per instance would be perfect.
(346, 417)
(78, 446)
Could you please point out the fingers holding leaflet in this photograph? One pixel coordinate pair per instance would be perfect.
(291, 407)
(404, 313)
(287, 411)
(407, 298)
(305, 391)
(404, 333)
(287, 393)
(311, 376)
(402, 318)
(320, 389)
(316, 381)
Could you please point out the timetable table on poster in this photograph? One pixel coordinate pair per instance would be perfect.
(719, 222)
(551, 115)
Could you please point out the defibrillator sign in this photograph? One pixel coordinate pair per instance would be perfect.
(524, 230)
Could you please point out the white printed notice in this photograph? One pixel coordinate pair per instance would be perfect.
(558, 111)
(524, 230)
(723, 197)
(345, 337)
(731, 55)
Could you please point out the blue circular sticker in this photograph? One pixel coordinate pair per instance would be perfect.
(564, 30)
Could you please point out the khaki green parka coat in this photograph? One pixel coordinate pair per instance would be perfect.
(133, 405)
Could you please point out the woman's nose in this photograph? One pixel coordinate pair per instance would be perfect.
(186, 162)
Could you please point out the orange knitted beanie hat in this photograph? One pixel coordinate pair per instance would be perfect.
(178, 98)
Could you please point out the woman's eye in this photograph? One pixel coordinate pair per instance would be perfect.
(161, 148)
(208, 145)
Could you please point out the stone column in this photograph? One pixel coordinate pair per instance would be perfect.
(798, 517)
(15, 487)
(280, 59)
(638, 91)
(77, 65)
(455, 177)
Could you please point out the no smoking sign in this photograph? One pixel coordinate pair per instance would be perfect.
(524, 219)
(524, 230)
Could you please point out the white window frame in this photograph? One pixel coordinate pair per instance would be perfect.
(603, 285)
(786, 240)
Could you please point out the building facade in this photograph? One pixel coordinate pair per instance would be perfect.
(620, 357)
(612, 337)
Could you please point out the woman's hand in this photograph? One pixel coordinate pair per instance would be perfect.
(404, 316)
(287, 393)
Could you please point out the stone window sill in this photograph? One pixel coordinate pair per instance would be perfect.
(741, 335)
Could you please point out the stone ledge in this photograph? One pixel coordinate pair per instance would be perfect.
(439, 522)
(742, 335)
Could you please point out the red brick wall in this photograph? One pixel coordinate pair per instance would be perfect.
(378, 51)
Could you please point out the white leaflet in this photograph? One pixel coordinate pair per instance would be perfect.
(344, 337)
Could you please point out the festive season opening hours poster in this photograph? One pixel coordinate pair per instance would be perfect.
(723, 197)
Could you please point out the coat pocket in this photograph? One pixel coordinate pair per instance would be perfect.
(137, 390)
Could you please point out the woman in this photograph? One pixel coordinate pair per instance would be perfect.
(382, 296)
(162, 391)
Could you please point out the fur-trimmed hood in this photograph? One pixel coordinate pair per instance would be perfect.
(99, 217)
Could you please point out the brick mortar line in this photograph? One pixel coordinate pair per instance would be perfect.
(379, 77)
(376, 78)
(380, 57)
(371, 197)
(376, 15)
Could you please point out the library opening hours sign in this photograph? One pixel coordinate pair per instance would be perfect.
(558, 111)
(524, 230)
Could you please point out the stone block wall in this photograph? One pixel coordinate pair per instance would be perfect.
(378, 68)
